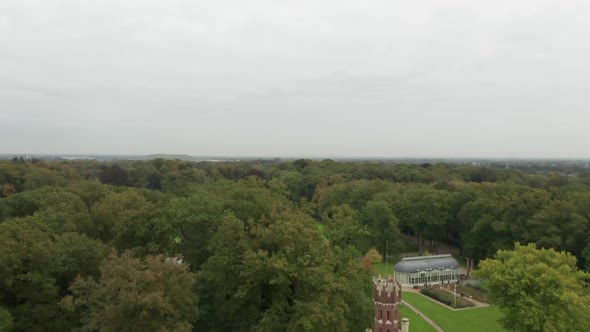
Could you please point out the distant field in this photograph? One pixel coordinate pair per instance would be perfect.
(480, 319)
(417, 324)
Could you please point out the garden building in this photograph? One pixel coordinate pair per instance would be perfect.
(426, 270)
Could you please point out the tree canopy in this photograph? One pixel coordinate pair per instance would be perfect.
(269, 244)
(131, 294)
(538, 290)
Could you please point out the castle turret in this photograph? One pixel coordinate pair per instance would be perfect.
(405, 325)
(387, 298)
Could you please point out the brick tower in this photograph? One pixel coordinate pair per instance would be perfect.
(387, 297)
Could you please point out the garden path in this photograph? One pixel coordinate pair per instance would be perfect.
(476, 304)
(428, 320)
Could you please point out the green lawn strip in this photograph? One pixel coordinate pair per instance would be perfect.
(479, 319)
(379, 268)
(417, 323)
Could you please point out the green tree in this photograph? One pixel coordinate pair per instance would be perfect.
(559, 226)
(383, 225)
(155, 294)
(37, 177)
(218, 280)
(426, 211)
(353, 193)
(90, 192)
(113, 174)
(11, 178)
(76, 255)
(538, 289)
(342, 226)
(280, 274)
(64, 212)
(6, 324)
(292, 273)
(250, 199)
(586, 257)
(519, 205)
(36, 268)
(27, 284)
(479, 221)
(195, 219)
(128, 220)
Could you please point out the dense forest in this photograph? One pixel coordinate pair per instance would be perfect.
(259, 245)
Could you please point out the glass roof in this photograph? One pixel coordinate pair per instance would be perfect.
(426, 263)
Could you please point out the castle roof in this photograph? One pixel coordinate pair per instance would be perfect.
(386, 290)
(426, 263)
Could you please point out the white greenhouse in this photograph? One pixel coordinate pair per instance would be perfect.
(426, 270)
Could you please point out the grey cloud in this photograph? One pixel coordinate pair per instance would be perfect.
(306, 78)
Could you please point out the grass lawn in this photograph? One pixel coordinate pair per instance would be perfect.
(407, 246)
(380, 267)
(478, 293)
(417, 324)
(480, 319)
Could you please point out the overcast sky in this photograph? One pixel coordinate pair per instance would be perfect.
(424, 78)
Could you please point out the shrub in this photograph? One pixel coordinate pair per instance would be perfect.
(374, 256)
(477, 292)
(479, 287)
(446, 297)
(6, 324)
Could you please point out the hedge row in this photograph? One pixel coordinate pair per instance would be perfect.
(446, 297)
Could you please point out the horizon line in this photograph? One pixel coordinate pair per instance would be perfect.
(267, 157)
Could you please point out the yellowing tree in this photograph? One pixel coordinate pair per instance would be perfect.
(374, 256)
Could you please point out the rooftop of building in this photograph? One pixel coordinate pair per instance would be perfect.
(426, 263)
